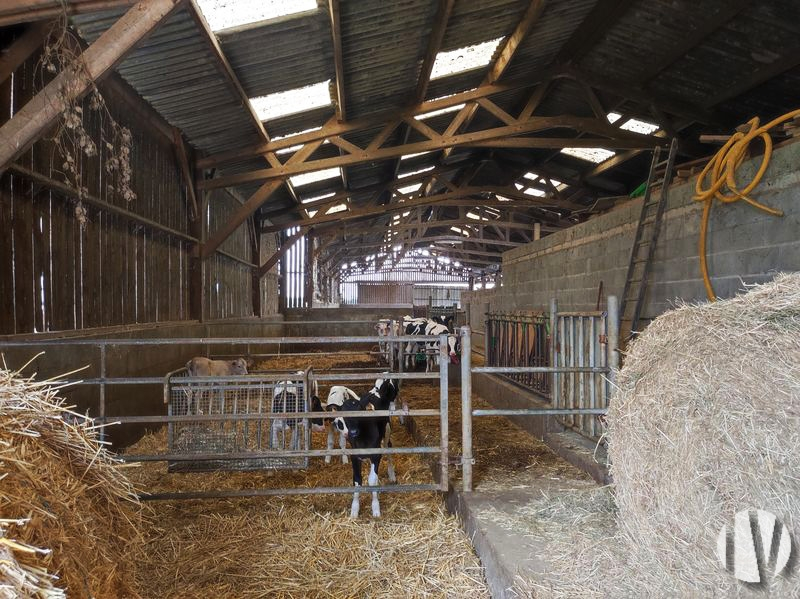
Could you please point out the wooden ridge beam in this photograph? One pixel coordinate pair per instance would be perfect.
(22, 130)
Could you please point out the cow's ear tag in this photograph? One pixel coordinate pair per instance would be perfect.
(371, 406)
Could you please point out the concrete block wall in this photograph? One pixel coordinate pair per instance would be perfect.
(745, 246)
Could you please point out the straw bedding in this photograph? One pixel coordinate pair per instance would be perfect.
(704, 424)
(304, 546)
(70, 519)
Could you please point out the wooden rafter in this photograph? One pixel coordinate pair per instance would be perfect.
(336, 33)
(603, 15)
(28, 11)
(612, 137)
(17, 135)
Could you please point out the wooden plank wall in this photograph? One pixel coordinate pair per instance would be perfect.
(57, 275)
(269, 282)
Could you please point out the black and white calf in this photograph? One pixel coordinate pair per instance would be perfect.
(431, 348)
(287, 397)
(385, 328)
(368, 433)
(337, 395)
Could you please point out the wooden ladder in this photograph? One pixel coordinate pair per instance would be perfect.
(644, 243)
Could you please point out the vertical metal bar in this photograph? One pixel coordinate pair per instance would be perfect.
(571, 403)
(593, 378)
(307, 378)
(168, 398)
(466, 408)
(581, 390)
(400, 346)
(260, 422)
(554, 350)
(612, 323)
(444, 358)
(102, 391)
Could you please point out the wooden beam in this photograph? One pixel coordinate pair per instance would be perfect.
(186, 171)
(273, 260)
(434, 45)
(22, 47)
(531, 125)
(603, 15)
(460, 198)
(336, 33)
(759, 75)
(391, 118)
(567, 142)
(19, 133)
(498, 67)
(28, 11)
(700, 30)
(531, 15)
(254, 202)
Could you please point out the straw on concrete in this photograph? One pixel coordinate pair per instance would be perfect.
(704, 424)
(68, 511)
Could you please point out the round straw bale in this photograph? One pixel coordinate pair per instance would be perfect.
(70, 518)
(704, 423)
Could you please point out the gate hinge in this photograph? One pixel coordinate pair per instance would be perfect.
(458, 460)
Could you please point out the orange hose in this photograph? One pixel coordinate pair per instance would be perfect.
(722, 184)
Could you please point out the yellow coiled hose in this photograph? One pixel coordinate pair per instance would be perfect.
(720, 176)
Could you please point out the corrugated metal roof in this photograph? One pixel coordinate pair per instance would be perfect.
(282, 54)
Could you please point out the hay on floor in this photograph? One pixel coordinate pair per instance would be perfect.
(704, 424)
(70, 516)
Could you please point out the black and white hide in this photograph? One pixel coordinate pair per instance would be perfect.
(287, 397)
(366, 433)
(337, 395)
(432, 355)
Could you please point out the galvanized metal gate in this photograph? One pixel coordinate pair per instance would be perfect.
(519, 339)
(256, 394)
(580, 340)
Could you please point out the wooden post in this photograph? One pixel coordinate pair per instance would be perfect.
(197, 267)
(537, 231)
(255, 247)
(308, 292)
(19, 133)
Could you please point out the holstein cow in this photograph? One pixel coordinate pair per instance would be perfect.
(367, 433)
(445, 320)
(384, 329)
(337, 395)
(200, 366)
(432, 348)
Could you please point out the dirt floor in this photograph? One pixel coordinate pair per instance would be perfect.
(307, 546)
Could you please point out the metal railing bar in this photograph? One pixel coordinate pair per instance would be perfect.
(294, 491)
(260, 455)
(156, 419)
(551, 369)
(540, 412)
(217, 341)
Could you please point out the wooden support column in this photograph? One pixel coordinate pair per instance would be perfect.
(537, 231)
(255, 253)
(308, 291)
(197, 266)
(19, 133)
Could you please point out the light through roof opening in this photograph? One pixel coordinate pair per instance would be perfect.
(292, 101)
(224, 14)
(464, 59)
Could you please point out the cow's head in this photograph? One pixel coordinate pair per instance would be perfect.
(351, 427)
(239, 366)
(453, 348)
(383, 326)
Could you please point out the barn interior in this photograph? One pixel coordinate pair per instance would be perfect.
(273, 179)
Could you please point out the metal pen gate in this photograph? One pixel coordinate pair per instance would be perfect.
(218, 428)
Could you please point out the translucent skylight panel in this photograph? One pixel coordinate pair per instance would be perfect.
(223, 14)
(638, 126)
(532, 191)
(337, 208)
(434, 113)
(292, 101)
(416, 172)
(464, 59)
(407, 156)
(613, 117)
(595, 155)
(410, 188)
(311, 213)
(313, 177)
(318, 198)
(532, 176)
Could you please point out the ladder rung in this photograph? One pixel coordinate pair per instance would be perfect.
(662, 163)
(640, 260)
